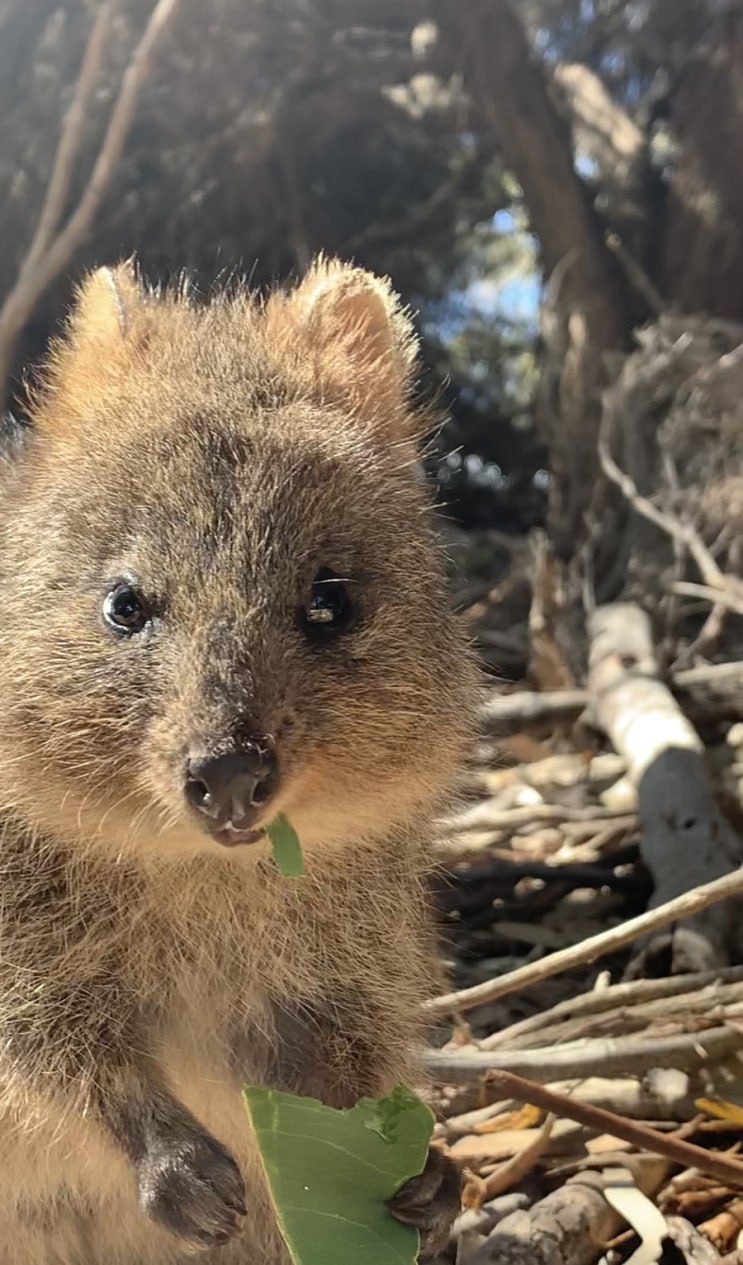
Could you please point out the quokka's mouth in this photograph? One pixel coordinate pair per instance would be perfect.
(230, 837)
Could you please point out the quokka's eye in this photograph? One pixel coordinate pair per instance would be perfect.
(125, 609)
(329, 611)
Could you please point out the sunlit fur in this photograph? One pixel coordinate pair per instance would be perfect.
(220, 454)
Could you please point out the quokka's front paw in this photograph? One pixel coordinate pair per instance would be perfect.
(430, 1202)
(190, 1185)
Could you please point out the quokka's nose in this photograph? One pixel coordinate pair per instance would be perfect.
(233, 787)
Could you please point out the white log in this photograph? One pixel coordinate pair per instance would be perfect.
(686, 841)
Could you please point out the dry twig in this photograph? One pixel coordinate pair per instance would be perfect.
(501, 713)
(613, 1055)
(725, 1168)
(485, 816)
(589, 950)
(724, 590)
(632, 994)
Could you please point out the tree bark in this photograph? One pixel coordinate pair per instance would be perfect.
(702, 259)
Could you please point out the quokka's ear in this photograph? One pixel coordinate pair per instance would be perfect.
(95, 350)
(359, 340)
(104, 307)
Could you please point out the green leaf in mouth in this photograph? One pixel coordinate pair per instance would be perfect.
(287, 850)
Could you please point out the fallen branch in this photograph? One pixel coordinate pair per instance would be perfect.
(568, 1226)
(597, 834)
(501, 713)
(662, 1094)
(588, 950)
(485, 816)
(725, 1168)
(684, 1013)
(598, 1001)
(623, 999)
(719, 597)
(613, 1055)
(685, 841)
(709, 674)
(569, 768)
(527, 707)
(515, 1169)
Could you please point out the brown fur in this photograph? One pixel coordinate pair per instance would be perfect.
(221, 453)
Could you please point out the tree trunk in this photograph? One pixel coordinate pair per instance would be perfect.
(702, 262)
(488, 44)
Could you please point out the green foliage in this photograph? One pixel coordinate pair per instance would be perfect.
(287, 851)
(331, 1173)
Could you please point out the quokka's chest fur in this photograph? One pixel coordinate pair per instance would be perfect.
(225, 969)
(216, 981)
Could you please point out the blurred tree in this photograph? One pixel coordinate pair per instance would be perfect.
(468, 150)
(269, 131)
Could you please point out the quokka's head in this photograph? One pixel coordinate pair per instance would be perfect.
(222, 594)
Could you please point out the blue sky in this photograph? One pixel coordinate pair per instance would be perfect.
(515, 298)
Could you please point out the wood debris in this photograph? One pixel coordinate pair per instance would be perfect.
(587, 1065)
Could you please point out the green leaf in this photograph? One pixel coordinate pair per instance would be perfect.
(331, 1173)
(287, 850)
